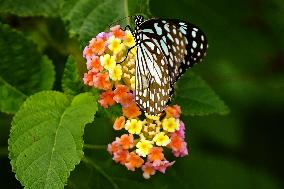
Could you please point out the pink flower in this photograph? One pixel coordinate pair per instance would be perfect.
(151, 168)
(178, 145)
(182, 151)
(148, 170)
(101, 35)
(181, 131)
(113, 147)
(87, 52)
(120, 156)
(163, 165)
(88, 78)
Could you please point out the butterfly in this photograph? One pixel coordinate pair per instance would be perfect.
(166, 48)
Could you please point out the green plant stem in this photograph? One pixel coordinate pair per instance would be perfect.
(126, 11)
(100, 170)
(96, 147)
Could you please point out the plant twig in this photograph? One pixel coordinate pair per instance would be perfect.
(100, 170)
(94, 146)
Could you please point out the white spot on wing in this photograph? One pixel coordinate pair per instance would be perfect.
(194, 44)
(182, 30)
(158, 29)
(193, 34)
(170, 37)
(164, 47)
(166, 26)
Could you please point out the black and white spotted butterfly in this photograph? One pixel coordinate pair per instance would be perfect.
(166, 48)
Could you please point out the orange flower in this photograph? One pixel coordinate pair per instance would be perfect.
(121, 156)
(131, 111)
(125, 100)
(113, 147)
(88, 78)
(176, 142)
(148, 170)
(126, 141)
(101, 81)
(178, 145)
(98, 45)
(117, 32)
(96, 65)
(156, 154)
(122, 95)
(120, 90)
(106, 99)
(119, 123)
(173, 111)
(133, 161)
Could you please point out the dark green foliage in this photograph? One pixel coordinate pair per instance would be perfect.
(16, 81)
(197, 98)
(244, 65)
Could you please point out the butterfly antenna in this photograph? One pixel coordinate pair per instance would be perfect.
(120, 20)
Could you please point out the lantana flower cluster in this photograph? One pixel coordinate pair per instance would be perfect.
(146, 137)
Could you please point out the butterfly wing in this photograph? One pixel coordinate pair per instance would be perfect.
(152, 85)
(180, 44)
(187, 46)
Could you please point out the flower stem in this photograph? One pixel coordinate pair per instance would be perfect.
(126, 11)
(100, 170)
(95, 147)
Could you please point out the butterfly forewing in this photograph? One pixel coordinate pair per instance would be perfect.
(166, 49)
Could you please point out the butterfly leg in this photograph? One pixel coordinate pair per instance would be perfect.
(127, 27)
(127, 54)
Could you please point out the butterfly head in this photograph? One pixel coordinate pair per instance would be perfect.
(138, 19)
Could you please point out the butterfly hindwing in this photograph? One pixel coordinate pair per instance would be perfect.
(152, 86)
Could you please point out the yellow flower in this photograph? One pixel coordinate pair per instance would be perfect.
(152, 117)
(143, 147)
(170, 124)
(132, 82)
(161, 139)
(129, 40)
(133, 51)
(115, 44)
(116, 73)
(121, 55)
(133, 126)
(107, 61)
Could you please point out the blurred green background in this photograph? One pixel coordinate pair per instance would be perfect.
(245, 66)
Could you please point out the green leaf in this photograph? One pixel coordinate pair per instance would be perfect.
(197, 98)
(87, 18)
(23, 71)
(46, 137)
(47, 74)
(10, 97)
(31, 7)
(71, 82)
